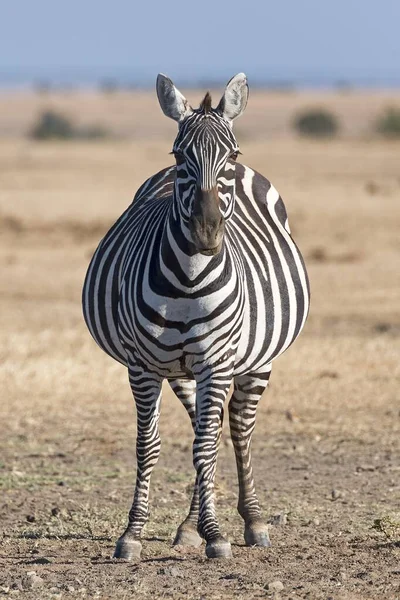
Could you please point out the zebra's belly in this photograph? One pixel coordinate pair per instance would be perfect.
(179, 335)
(260, 343)
(273, 318)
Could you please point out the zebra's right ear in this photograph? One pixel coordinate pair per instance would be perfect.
(174, 105)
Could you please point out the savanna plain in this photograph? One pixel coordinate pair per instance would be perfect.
(326, 445)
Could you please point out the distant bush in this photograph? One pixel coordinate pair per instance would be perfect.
(108, 86)
(92, 132)
(316, 123)
(343, 86)
(388, 124)
(54, 126)
(42, 86)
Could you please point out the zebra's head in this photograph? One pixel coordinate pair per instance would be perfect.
(205, 150)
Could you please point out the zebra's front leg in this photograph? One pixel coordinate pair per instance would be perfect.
(242, 417)
(146, 389)
(211, 396)
(187, 535)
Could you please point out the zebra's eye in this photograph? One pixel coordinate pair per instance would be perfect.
(177, 153)
(234, 155)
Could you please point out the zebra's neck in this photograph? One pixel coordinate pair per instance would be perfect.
(179, 259)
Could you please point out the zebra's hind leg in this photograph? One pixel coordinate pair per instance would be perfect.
(146, 389)
(242, 417)
(187, 534)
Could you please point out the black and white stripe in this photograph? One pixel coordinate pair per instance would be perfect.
(156, 304)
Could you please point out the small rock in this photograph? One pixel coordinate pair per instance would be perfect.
(70, 588)
(55, 511)
(335, 494)
(30, 518)
(278, 520)
(298, 448)
(275, 586)
(41, 561)
(316, 521)
(5, 589)
(365, 468)
(291, 416)
(34, 582)
(171, 571)
(17, 585)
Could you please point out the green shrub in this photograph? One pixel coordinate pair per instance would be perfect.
(388, 124)
(316, 123)
(52, 126)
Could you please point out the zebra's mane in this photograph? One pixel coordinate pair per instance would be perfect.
(205, 106)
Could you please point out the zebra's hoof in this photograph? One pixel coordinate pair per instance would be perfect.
(218, 548)
(256, 534)
(187, 537)
(127, 548)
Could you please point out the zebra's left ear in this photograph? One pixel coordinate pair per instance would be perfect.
(174, 104)
(235, 97)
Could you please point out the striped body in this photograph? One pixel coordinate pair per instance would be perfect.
(199, 282)
(138, 300)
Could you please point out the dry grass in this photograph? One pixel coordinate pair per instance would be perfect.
(137, 115)
(329, 422)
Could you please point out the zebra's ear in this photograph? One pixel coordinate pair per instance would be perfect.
(174, 105)
(235, 97)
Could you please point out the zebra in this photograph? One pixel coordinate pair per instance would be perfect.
(199, 283)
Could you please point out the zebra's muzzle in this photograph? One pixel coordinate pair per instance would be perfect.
(206, 222)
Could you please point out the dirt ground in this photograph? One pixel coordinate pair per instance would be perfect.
(326, 447)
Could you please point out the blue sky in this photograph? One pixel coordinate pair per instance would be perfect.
(343, 39)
